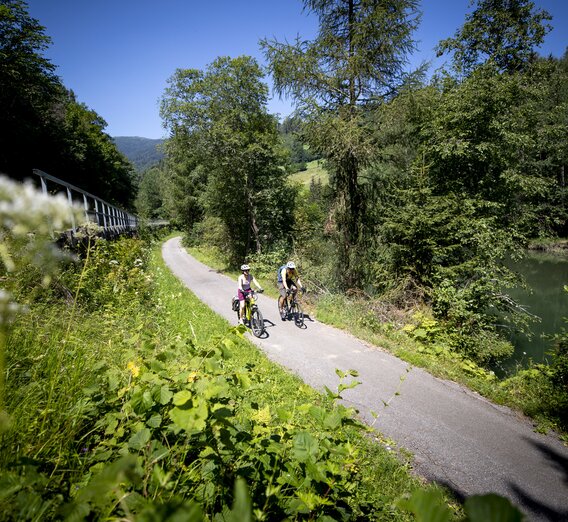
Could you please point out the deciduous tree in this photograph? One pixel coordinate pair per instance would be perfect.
(219, 116)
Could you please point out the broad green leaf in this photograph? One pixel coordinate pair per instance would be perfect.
(142, 401)
(180, 398)
(242, 505)
(427, 506)
(140, 439)
(318, 413)
(491, 508)
(165, 395)
(192, 419)
(333, 420)
(305, 446)
(154, 421)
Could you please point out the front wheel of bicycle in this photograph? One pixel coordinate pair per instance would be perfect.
(298, 314)
(257, 323)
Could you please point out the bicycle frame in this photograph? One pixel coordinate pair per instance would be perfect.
(252, 315)
(292, 306)
(250, 303)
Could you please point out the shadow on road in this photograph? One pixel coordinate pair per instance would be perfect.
(537, 507)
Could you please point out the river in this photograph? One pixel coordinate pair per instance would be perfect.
(546, 275)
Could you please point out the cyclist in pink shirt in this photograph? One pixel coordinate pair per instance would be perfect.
(243, 288)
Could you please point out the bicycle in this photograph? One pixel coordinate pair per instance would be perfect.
(293, 309)
(252, 315)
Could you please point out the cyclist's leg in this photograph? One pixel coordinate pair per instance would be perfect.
(282, 301)
(241, 307)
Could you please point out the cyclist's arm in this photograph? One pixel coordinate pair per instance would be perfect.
(256, 283)
(240, 282)
(299, 283)
(283, 274)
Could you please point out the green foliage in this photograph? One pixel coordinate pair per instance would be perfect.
(110, 273)
(501, 33)
(331, 78)
(492, 136)
(143, 153)
(428, 506)
(151, 194)
(218, 121)
(128, 410)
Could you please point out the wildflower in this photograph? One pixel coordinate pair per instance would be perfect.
(8, 308)
(133, 369)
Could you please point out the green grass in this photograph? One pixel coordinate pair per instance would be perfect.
(315, 171)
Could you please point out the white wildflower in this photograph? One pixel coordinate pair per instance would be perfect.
(8, 308)
(25, 209)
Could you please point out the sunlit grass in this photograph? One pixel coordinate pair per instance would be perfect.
(52, 348)
(315, 171)
(384, 475)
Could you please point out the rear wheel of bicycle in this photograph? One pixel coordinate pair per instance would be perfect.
(297, 314)
(257, 323)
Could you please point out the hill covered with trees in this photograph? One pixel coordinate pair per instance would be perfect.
(143, 153)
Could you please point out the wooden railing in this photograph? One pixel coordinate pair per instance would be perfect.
(111, 219)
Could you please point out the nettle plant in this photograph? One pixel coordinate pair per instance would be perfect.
(188, 432)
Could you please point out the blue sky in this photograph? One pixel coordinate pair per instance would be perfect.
(116, 55)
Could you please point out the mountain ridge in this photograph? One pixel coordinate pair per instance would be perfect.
(143, 153)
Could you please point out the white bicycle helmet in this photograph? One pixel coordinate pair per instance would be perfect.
(290, 265)
(245, 267)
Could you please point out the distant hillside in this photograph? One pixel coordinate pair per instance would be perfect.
(142, 152)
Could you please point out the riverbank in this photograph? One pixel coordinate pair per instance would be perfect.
(552, 246)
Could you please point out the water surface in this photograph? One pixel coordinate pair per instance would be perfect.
(546, 275)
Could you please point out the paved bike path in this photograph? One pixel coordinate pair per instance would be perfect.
(458, 438)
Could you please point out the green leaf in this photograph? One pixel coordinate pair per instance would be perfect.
(154, 421)
(427, 506)
(491, 508)
(305, 446)
(242, 506)
(141, 401)
(333, 420)
(140, 439)
(180, 398)
(192, 419)
(164, 395)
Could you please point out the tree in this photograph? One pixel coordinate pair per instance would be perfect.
(41, 123)
(503, 33)
(219, 116)
(357, 58)
(28, 85)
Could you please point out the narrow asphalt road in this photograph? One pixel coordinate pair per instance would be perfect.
(458, 438)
